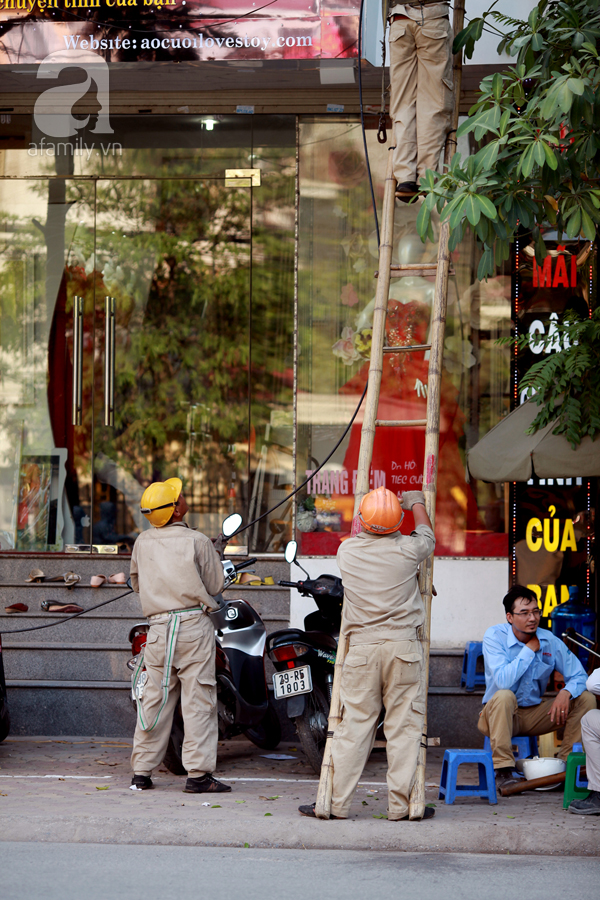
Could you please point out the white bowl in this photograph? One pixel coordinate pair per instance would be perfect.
(541, 766)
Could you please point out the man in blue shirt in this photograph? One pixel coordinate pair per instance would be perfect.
(519, 660)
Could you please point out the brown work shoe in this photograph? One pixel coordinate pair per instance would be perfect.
(205, 785)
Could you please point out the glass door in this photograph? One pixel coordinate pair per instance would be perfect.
(171, 350)
(46, 367)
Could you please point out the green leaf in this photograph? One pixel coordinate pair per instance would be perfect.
(587, 226)
(497, 82)
(216, 806)
(538, 153)
(268, 814)
(487, 156)
(550, 156)
(576, 85)
(472, 209)
(537, 42)
(487, 207)
(246, 844)
(574, 224)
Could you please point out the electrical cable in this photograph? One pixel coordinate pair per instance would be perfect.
(72, 616)
(362, 114)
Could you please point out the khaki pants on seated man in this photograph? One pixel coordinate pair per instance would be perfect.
(501, 718)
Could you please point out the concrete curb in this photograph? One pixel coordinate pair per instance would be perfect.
(279, 832)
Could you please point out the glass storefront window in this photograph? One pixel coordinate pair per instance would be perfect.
(337, 258)
(147, 331)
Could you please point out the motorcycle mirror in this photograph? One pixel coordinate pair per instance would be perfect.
(291, 549)
(231, 524)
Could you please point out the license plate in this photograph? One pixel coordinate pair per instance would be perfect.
(292, 682)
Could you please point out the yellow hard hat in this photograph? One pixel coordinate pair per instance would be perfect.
(159, 499)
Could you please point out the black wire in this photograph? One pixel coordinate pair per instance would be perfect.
(306, 480)
(362, 113)
(66, 618)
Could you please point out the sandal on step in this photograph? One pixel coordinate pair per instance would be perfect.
(119, 578)
(36, 575)
(16, 608)
(97, 581)
(54, 606)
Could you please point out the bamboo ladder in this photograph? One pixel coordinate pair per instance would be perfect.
(432, 431)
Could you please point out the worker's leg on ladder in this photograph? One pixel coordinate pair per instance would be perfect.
(403, 78)
(360, 697)
(404, 701)
(435, 93)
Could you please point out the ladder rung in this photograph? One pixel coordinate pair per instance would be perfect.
(407, 349)
(420, 269)
(402, 423)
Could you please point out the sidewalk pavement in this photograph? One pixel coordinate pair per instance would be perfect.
(73, 789)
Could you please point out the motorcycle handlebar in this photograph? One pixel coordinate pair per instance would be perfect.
(294, 584)
(248, 562)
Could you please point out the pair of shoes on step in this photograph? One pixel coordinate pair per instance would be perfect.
(205, 785)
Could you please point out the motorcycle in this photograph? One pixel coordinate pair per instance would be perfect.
(243, 702)
(305, 660)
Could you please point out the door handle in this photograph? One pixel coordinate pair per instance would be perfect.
(109, 361)
(77, 360)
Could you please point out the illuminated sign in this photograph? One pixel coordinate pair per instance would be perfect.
(179, 30)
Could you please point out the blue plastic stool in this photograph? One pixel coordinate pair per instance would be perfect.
(523, 747)
(579, 781)
(470, 676)
(450, 790)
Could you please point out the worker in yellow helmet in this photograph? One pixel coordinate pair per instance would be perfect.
(177, 572)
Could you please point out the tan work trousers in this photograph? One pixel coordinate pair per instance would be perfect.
(422, 94)
(501, 718)
(375, 675)
(192, 679)
(590, 733)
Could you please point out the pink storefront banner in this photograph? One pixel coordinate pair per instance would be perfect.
(59, 31)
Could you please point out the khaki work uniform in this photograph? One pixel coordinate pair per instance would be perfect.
(383, 609)
(176, 572)
(422, 87)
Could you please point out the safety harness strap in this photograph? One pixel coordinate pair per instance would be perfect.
(170, 644)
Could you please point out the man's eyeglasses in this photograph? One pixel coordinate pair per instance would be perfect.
(536, 613)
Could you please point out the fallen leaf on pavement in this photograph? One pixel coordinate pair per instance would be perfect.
(375, 816)
(216, 806)
(276, 797)
(240, 801)
(510, 817)
(364, 803)
(104, 787)
(268, 814)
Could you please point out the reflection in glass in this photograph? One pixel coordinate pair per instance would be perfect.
(338, 256)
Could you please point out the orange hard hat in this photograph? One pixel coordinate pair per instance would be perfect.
(380, 512)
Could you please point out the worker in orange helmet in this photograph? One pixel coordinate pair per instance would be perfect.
(383, 609)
